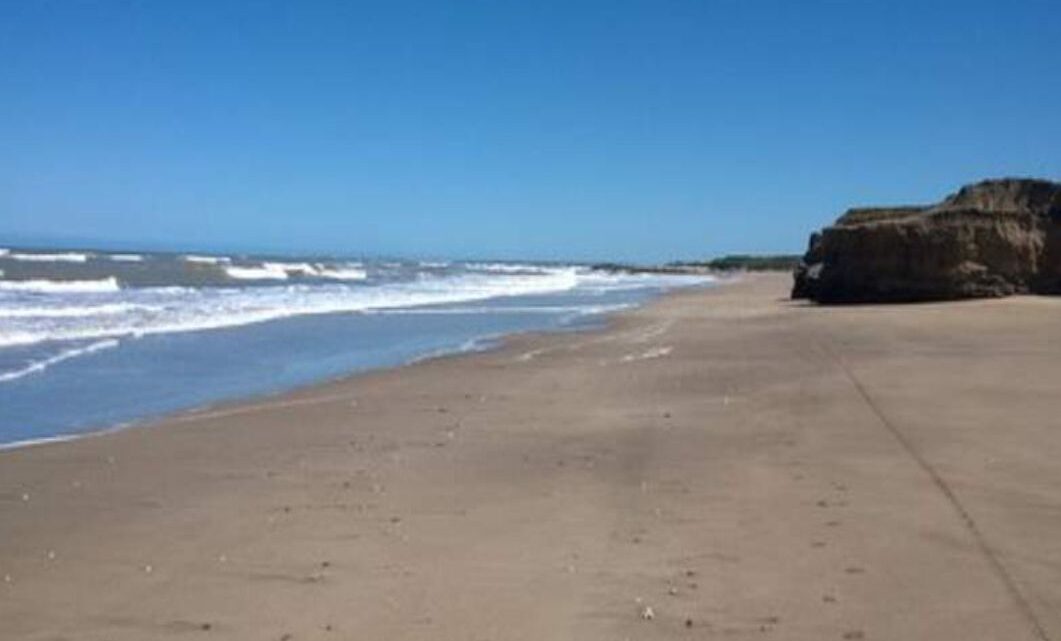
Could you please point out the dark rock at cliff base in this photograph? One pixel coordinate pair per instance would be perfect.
(994, 238)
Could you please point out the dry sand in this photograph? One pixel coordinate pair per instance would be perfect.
(734, 464)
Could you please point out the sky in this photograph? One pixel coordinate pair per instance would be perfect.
(635, 131)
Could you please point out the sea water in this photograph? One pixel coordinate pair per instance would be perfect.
(90, 340)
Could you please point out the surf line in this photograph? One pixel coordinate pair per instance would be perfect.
(263, 406)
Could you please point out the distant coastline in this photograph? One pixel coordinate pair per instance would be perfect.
(727, 263)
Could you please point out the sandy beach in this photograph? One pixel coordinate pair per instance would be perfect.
(722, 463)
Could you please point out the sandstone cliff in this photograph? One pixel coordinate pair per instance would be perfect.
(994, 238)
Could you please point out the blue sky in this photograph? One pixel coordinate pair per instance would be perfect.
(582, 130)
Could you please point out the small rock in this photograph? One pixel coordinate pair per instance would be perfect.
(647, 614)
(673, 591)
(688, 623)
(7, 578)
(148, 569)
(25, 497)
(51, 555)
(205, 627)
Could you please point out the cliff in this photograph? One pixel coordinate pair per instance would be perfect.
(993, 238)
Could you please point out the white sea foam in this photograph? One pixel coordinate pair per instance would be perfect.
(61, 286)
(170, 310)
(304, 269)
(126, 258)
(509, 268)
(206, 260)
(343, 273)
(66, 257)
(600, 281)
(266, 271)
(91, 310)
(30, 442)
(76, 311)
(4, 251)
(65, 355)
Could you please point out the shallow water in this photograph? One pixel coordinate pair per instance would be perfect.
(84, 346)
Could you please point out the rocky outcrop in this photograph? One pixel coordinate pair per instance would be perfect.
(994, 238)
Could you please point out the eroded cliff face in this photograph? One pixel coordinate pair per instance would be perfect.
(994, 238)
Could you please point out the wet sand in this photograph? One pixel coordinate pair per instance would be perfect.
(719, 464)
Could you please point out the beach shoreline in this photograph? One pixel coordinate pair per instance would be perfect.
(597, 322)
(78, 361)
(718, 462)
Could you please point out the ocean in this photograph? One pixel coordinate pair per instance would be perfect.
(94, 340)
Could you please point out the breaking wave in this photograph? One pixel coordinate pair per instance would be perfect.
(36, 367)
(61, 286)
(66, 257)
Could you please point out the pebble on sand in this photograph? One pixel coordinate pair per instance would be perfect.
(647, 614)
